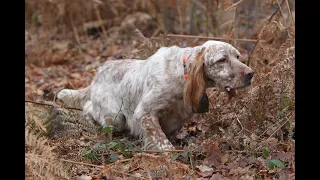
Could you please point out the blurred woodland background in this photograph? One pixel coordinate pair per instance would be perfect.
(250, 137)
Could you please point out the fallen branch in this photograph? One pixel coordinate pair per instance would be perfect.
(213, 38)
(81, 163)
(52, 104)
(157, 151)
(160, 151)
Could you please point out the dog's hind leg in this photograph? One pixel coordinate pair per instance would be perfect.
(116, 120)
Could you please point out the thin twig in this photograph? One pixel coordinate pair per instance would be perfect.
(267, 130)
(39, 103)
(127, 174)
(133, 169)
(269, 20)
(52, 104)
(180, 17)
(217, 121)
(209, 19)
(279, 5)
(278, 129)
(235, 35)
(191, 162)
(76, 34)
(260, 136)
(203, 7)
(214, 38)
(292, 20)
(259, 40)
(81, 163)
(155, 151)
(273, 133)
(98, 2)
(149, 173)
(191, 19)
(240, 125)
(118, 162)
(233, 5)
(156, 32)
(104, 32)
(160, 151)
(106, 168)
(184, 166)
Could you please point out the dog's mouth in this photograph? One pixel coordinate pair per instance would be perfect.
(230, 91)
(247, 83)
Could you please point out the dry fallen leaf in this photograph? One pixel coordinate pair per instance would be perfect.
(246, 177)
(83, 177)
(75, 75)
(206, 174)
(182, 134)
(224, 158)
(284, 156)
(192, 128)
(204, 168)
(205, 171)
(203, 128)
(218, 177)
(214, 156)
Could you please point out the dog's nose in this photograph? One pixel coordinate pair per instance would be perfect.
(249, 75)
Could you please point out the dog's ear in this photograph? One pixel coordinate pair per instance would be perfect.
(195, 84)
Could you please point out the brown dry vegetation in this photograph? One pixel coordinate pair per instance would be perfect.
(65, 41)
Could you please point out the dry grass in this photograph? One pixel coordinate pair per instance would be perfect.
(40, 160)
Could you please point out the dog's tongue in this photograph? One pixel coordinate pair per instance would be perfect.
(231, 93)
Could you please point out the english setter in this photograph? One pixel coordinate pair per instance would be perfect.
(155, 97)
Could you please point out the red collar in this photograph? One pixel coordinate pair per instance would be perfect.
(184, 60)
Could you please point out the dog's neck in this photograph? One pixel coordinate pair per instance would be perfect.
(188, 56)
(191, 53)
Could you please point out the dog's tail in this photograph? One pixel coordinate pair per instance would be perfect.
(74, 98)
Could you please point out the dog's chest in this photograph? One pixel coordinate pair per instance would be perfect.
(173, 116)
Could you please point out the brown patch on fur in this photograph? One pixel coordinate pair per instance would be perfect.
(195, 84)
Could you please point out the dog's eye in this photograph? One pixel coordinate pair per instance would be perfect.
(237, 56)
(222, 60)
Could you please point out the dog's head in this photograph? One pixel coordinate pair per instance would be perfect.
(216, 65)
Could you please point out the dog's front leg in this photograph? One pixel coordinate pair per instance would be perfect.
(154, 138)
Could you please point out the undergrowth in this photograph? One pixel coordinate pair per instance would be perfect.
(40, 160)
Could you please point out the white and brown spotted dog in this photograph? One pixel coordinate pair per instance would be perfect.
(156, 96)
